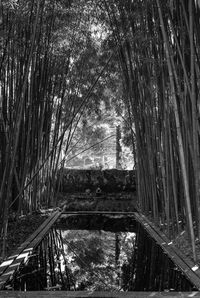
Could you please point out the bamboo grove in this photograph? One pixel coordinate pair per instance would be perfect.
(38, 114)
(28, 86)
(46, 83)
(159, 57)
(157, 45)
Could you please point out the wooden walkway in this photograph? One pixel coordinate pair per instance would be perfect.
(61, 294)
(186, 265)
(98, 212)
(8, 267)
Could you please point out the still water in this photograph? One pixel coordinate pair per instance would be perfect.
(98, 260)
(98, 253)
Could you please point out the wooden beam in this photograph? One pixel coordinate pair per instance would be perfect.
(186, 265)
(12, 263)
(77, 294)
(95, 212)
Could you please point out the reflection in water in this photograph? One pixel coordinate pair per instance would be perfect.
(104, 253)
(97, 260)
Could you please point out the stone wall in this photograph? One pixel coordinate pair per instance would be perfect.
(70, 180)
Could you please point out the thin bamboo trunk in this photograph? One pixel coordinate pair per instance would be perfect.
(194, 115)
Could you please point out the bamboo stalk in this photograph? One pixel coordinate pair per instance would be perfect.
(194, 115)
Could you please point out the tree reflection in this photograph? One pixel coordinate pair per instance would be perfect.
(97, 258)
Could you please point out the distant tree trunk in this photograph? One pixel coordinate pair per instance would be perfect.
(118, 148)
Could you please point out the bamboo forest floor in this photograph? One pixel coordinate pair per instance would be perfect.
(19, 230)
